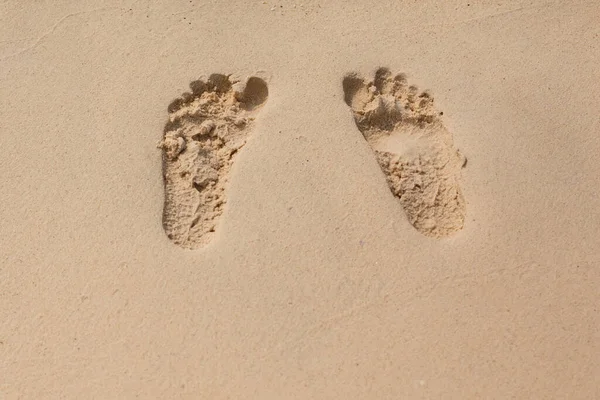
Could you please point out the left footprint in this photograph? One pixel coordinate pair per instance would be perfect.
(206, 129)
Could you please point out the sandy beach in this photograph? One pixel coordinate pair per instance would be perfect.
(300, 200)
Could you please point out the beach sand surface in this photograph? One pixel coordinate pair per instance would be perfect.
(314, 284)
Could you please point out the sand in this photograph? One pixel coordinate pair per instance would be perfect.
(320, 269)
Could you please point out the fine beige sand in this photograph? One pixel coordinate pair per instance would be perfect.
(300, 200)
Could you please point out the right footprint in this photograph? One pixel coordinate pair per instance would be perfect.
(413, 147)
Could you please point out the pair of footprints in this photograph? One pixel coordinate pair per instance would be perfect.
(208, 126)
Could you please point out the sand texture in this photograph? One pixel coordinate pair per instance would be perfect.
(268, 199)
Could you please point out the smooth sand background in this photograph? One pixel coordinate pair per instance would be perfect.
(317, 286)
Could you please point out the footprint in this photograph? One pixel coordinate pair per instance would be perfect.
(205, 131)
(413, 147)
